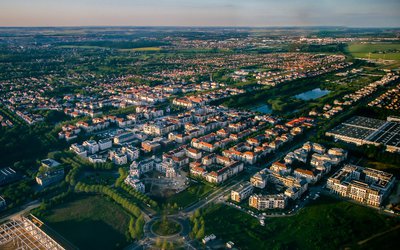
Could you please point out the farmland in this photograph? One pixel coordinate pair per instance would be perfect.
(385, 51)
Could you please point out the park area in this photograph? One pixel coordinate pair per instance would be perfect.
(326, 223)
(385, 51)
(90, 222)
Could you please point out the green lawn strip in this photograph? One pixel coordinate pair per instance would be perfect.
(190, 195)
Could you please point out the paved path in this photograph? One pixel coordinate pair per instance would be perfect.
(24, 209)
(378, 235)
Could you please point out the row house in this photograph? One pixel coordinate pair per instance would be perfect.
(193, 153)
(160, 128)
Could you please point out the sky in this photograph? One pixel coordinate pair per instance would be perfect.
(351, 13)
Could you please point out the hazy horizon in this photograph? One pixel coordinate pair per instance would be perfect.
(207, 13)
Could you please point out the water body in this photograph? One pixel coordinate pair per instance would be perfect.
(265, 109)
(312, 94)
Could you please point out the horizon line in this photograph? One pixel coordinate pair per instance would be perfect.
(205, 26)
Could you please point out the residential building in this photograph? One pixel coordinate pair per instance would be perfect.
(259, 180)
(96, 159)
(280, 167)
(79, 150)
(309, 175)
(118, 157)
(365, 185)
(144, 166)
(8, 175)
(241, 193)
(264, 202)
(135, 183)
(91, 146)
(105, 144)
(50, 176)
(124, 137)
(131, 152)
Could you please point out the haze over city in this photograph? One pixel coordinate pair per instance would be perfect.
(353, 13)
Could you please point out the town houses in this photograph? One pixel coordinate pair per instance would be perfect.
(214, 142)
(349, 100)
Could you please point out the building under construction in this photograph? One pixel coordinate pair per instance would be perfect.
(26, 233)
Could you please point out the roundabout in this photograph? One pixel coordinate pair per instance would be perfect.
(172, 228)
(166, 227)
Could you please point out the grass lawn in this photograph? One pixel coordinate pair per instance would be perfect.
(325, 224)
(190, 195)
(386, 51)
(90, 222)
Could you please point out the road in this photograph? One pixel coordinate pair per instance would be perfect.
(23, 209)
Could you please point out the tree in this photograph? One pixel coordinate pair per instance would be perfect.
(200, 234)
(164, 245)
(132, 231)
(139, 226)
(195, 228)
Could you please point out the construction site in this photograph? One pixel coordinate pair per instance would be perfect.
(27, 232)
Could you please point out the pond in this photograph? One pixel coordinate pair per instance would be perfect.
(312, 94)
(265, 109)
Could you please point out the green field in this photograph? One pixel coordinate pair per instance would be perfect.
(90, 222)
(385, 51)
(325, 224)
(143, 49)
(81, 47)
